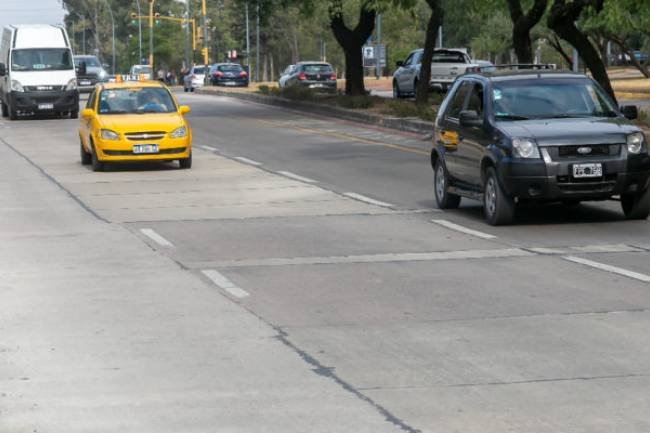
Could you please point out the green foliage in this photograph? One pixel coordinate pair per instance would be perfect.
(298, 93)
(356, 102)
(401, 108)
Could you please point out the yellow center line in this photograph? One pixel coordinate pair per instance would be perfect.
(345, 136)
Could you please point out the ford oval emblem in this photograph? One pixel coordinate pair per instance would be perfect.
(584, 150)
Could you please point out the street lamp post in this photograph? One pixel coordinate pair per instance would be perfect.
(110, 10)
(257, 43)
(204, 13)
(137, 3)
(151, 2)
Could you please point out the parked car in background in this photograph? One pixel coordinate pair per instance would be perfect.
(284, 76)
(313, 75)
(228, 74)
(92, 74)
(446, 66)
(142, 70)
(194, 79)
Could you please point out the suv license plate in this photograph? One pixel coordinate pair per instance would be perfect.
(46, 106)
(145, 148)
(587, 170)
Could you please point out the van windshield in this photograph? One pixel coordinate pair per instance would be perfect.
(41, 59)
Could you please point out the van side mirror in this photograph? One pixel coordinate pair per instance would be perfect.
(183, 109)
(87, 113)
(3, 70)
(470, 118)
(82, 69)
(630, 112)
(399, 64)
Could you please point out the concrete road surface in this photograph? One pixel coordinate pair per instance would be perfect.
(300, 279)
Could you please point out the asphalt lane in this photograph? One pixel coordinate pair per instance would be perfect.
(300, 271)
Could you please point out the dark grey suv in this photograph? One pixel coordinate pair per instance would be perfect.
(511, 137)
(313, 75)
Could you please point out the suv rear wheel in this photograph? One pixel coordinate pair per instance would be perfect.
(499, 209)
(397, 94)
(636, 206)
(444, 199)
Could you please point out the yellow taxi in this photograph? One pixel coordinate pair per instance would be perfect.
(131, 121)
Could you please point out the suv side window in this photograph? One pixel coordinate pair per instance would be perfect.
(409, 59)
(457, 102)
(476, 99)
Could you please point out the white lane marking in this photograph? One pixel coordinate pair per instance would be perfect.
(463, 229)
(544, 250)
(297, 177)
(609, 268)
(620, 248)
(365, 199)
(208, 148)
(379, 258)
(224, 283)
(151, 234)
(247, 161)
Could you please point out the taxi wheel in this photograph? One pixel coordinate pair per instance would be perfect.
(86, 158)
(185, 163)
(636, 206)
(444, 199)
(96, 163)
(499, 209)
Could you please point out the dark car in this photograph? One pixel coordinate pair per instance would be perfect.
(314, 75)
(228, 74)
(94, 72)
(512, 137)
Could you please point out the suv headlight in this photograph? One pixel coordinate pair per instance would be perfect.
(525, 148)
(72, 84)
(179, 132)
(16, 86)
(635, 143)
(107, 134)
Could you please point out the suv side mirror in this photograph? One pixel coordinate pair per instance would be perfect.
(82, 69)
(399, 64)
(630, 112)
(470, 118)
(3, 70)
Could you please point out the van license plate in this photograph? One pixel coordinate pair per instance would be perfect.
(84, 83)
(587, 170)
(145, 148)
(46, 106)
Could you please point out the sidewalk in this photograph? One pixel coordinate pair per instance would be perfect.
(102, 334)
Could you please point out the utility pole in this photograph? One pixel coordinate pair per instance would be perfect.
(204, 13)
(440, 37)
(378, 48)
(248, 42)
(188, 61)
(137, 3)
(151, 2)
(257, 43)
(110, 10)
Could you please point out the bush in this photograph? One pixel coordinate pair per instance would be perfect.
(355, 102)
(397, 108)
(644, 119)
(264, 89)
(298, 93)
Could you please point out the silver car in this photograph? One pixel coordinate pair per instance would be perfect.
(92, 74)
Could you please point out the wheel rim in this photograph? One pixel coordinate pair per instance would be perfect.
(490, 196)
(440, 182)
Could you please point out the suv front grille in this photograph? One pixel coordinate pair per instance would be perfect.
(588, 150)
(604, 184)
(148, 135)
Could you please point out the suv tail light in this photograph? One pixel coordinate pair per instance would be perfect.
(333, 77)
(218, 74)
(302, 76)
(243, 74)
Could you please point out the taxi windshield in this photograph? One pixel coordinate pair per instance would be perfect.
(136, 100)
(550, 99)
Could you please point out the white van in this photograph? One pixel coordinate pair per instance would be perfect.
(37, 73)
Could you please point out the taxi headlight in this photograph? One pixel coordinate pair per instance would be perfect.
(525, 148)
(107, 134)
(72, 84)
(635, 143)
(179, 132)
(16, 86)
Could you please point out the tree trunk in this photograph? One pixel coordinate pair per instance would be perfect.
(523, 23)
(435, 21)
(557, 46)
(351, 41)
(562, 21)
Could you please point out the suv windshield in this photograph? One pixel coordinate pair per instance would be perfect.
(90, 61)
(448, 57)
(230, 68)
(317, 69)
(550, 98)
(41, 59)
(135, 100)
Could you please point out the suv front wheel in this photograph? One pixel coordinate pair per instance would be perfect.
(444, 199)
(499, 209)
(636, 206)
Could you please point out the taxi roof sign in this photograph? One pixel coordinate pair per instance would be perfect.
(119, 78)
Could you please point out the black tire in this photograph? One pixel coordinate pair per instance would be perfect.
(185, 163)
(5, 109)
(636, 206)
(86, 158)
(185, 89)
(397, 94)
(74, 114)
(97, 165)
(571, 203)
(13, 114)
(444, 199)
(191, 89)
(499, 209)
(415, 87)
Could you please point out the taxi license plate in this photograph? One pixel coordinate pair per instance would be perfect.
(587, 170)
(46, 106)
(145, 148)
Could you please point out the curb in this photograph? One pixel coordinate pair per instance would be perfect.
(396, 123)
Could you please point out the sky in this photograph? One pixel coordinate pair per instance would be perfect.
(31, 12)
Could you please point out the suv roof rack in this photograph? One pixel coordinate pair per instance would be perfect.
(490, 69)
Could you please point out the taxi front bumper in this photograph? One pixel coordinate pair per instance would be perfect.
(169, 149)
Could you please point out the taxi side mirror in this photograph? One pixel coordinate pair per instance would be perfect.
(87, 113)
(183, 109)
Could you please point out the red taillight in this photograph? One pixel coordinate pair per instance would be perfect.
(333, 77)
(218, 74)
(243, 74)
(302, 76)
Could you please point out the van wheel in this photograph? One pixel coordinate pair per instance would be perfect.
(636, 206)
(185, 163)
(97, 165)
(5, 109)
(444, 199)
(499, 209)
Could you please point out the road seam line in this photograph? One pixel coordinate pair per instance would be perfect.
(463, 229)
(609, 268)
(208, 148)
(225, 284)
(247, 161)
(151, 234)
(297, 177)
(363, 198)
